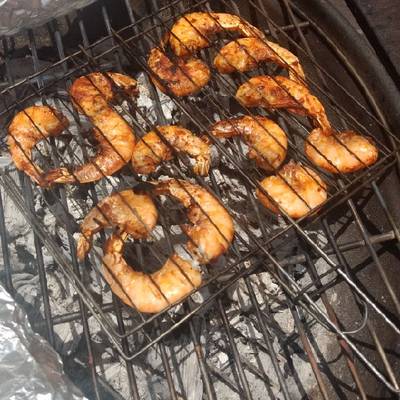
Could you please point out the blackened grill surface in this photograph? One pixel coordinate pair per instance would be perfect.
(245, 380)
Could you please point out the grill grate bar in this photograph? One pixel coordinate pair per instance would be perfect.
(26, 184)
(370, 328)
(333, 317)
(374, 256)
(266, 335)
(244, 384)
(5, 250)
(82, 308)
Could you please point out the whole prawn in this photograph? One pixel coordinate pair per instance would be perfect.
(281, 92)
(267, 141)
(125, 211)
(340, 152)
(295, 190)
(29, 127)
(151, 150)
(246, 54)
(210, 233)
(91, 95)
(181, 77)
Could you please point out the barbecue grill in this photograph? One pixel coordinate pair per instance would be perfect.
(296, 309)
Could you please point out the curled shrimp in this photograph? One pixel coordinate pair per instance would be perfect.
(211, 232)
(245, 54)
(29, 127)
(296, 189)
(267, 141)
(148, 293)
(182, 77)
(340, 152)
(91, 95)
(126, 211)
(150, 151)
(193, 31)
(282, 92)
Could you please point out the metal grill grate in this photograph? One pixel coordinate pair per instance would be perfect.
(254, 251)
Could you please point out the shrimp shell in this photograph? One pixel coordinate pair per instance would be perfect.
(182, 77)
(296, 189)
(212, 230)
(282, 92)
(246, 54)
(150, 151)
(340, 152)
(91, 95)
(148, 293)
(193, 31)
(126, 211)
(29, 127)
(267, 141)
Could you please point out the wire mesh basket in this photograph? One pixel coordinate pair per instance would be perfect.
(263, 242)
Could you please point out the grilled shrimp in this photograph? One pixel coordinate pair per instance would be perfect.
(150, 151)
(281, 92)
(267, 141)
(296, 189)
(193, 31)
(127, 211)
(29, 127)
(246, 53)
(181, 77)
(211, 232)
(148, 293)
(343, 152)
(91, 95)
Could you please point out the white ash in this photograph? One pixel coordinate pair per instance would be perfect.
(250, 335)
(146, 103)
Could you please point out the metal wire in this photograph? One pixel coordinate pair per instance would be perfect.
(294, 292)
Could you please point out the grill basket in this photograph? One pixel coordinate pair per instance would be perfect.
(335, 268)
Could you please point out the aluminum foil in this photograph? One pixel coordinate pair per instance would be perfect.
(29, 367)
(16, 15)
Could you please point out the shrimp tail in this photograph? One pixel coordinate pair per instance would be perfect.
(59, 175)
(83, 247)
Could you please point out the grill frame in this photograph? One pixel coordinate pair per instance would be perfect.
(236, 356)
